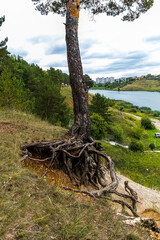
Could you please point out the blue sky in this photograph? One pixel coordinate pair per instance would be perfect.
(109, 47)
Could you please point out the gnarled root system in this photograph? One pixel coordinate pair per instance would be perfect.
(85, 165)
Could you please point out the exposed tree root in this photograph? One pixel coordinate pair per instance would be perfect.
(82, 162)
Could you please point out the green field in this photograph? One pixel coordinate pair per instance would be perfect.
(143, 168)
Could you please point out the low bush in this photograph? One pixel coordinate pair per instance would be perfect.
(138, 132)
(156, 113)
(152, 146)
(117, 133)
(134, 110)
(146, 123)
(98, 126)
(136, 146)
(146, 110)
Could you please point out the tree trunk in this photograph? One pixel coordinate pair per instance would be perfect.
(81, 127)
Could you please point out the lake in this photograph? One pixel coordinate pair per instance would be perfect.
(138, 98)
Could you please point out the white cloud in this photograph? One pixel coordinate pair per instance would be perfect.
(105, 43)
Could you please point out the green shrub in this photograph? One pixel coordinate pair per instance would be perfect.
(121, 108)
(146, 123)
(98, 126)
(117, 133)
(146, 110)
(100, 105)
(138, 132)
(156, 113)
(134, 110)
(152, 146)
(136, 146)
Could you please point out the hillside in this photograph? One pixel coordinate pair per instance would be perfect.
(36, 208)
(143, 85)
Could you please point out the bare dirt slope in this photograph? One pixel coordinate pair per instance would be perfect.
(156, 122)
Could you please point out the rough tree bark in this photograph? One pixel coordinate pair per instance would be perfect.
(81, 127)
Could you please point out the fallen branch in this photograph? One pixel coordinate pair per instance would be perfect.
(148, 223)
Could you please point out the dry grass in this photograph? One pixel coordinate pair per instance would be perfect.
(32, 209)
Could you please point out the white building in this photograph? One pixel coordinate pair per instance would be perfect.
(104, 80)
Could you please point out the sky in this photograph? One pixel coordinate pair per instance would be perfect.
(108, 46)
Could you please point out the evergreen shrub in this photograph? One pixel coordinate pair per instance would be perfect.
(146, 123)
(138, 132)
(136, 146)
(98, 126)
(152, 146)
(117, 133)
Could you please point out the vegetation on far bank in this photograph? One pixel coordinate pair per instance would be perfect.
(131, 84)
(143, 85)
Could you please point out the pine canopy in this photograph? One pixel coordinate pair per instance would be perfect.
(130, 9)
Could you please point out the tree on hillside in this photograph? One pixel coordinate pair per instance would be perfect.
(89, 82)
(57, 76)
(3, 47)
(49, 103)
(13, 93)
(79, 156)
(100, 105)
(131, 9)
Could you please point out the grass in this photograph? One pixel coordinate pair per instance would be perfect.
(150, 138)
(143, 168)
(66, 92)
(31, 208)
(127, 124)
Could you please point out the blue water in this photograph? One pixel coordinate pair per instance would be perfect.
(138, 98)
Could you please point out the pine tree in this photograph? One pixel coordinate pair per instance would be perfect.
(131, 9)
(3, 47)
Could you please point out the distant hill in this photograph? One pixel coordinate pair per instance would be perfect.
(143, 85)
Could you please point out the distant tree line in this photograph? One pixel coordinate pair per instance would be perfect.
(29, 88)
